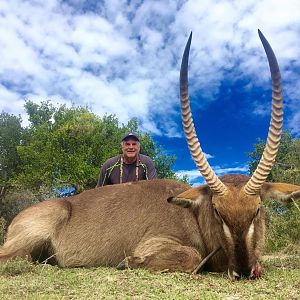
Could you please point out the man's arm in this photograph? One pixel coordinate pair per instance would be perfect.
(151, 169)
(102, 179)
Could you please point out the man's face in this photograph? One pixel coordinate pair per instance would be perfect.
(130, 148)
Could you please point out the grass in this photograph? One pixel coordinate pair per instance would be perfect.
(23, 280)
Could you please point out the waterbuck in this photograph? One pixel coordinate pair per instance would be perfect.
(162, 225)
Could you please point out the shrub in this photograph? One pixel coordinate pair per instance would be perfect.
(2, 230)
(283, 223)
(12, 203)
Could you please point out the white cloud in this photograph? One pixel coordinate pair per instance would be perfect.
(232, 170)
(294, 122)
(208, 156)
(262, 110)
(192, 174)
(196, 178)
(123, 58)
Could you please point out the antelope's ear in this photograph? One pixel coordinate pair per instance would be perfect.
(283, 192)
(192, 197)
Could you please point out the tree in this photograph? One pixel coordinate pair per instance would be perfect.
(287, 164)
(62, 147)
(39, 114)
(10, 137)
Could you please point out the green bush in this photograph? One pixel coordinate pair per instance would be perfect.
(11, 204)
(283, 222)
(283, 228)
(2, 230)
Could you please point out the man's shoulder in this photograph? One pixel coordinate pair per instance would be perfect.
(145, 159)
(111, 161)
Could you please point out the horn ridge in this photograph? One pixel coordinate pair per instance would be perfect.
(198, 156)
(265, 165)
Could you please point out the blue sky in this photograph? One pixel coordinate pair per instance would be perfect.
(123, 57)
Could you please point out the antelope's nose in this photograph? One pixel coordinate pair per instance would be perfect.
(256, 271)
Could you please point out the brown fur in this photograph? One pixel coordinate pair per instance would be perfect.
(135, 222)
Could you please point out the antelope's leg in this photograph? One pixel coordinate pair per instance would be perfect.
(162, 254)
(33, 229)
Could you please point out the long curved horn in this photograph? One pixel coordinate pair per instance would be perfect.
(264, 167)
(200, 160)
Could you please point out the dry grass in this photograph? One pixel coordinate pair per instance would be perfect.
(22, 280)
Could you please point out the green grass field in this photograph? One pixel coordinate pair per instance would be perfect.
(22, 280)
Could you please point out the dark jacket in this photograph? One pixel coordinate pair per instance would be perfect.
(112, 172)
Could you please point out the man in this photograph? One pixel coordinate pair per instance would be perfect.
(129, 166)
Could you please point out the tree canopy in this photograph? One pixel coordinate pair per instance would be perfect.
(287, 164)
(10, 137)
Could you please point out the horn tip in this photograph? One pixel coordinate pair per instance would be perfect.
(261, 36)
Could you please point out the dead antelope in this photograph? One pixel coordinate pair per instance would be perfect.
(134, 225)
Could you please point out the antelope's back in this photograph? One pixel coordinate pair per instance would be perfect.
(107, 223)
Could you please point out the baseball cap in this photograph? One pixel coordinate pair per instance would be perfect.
(130, 135)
